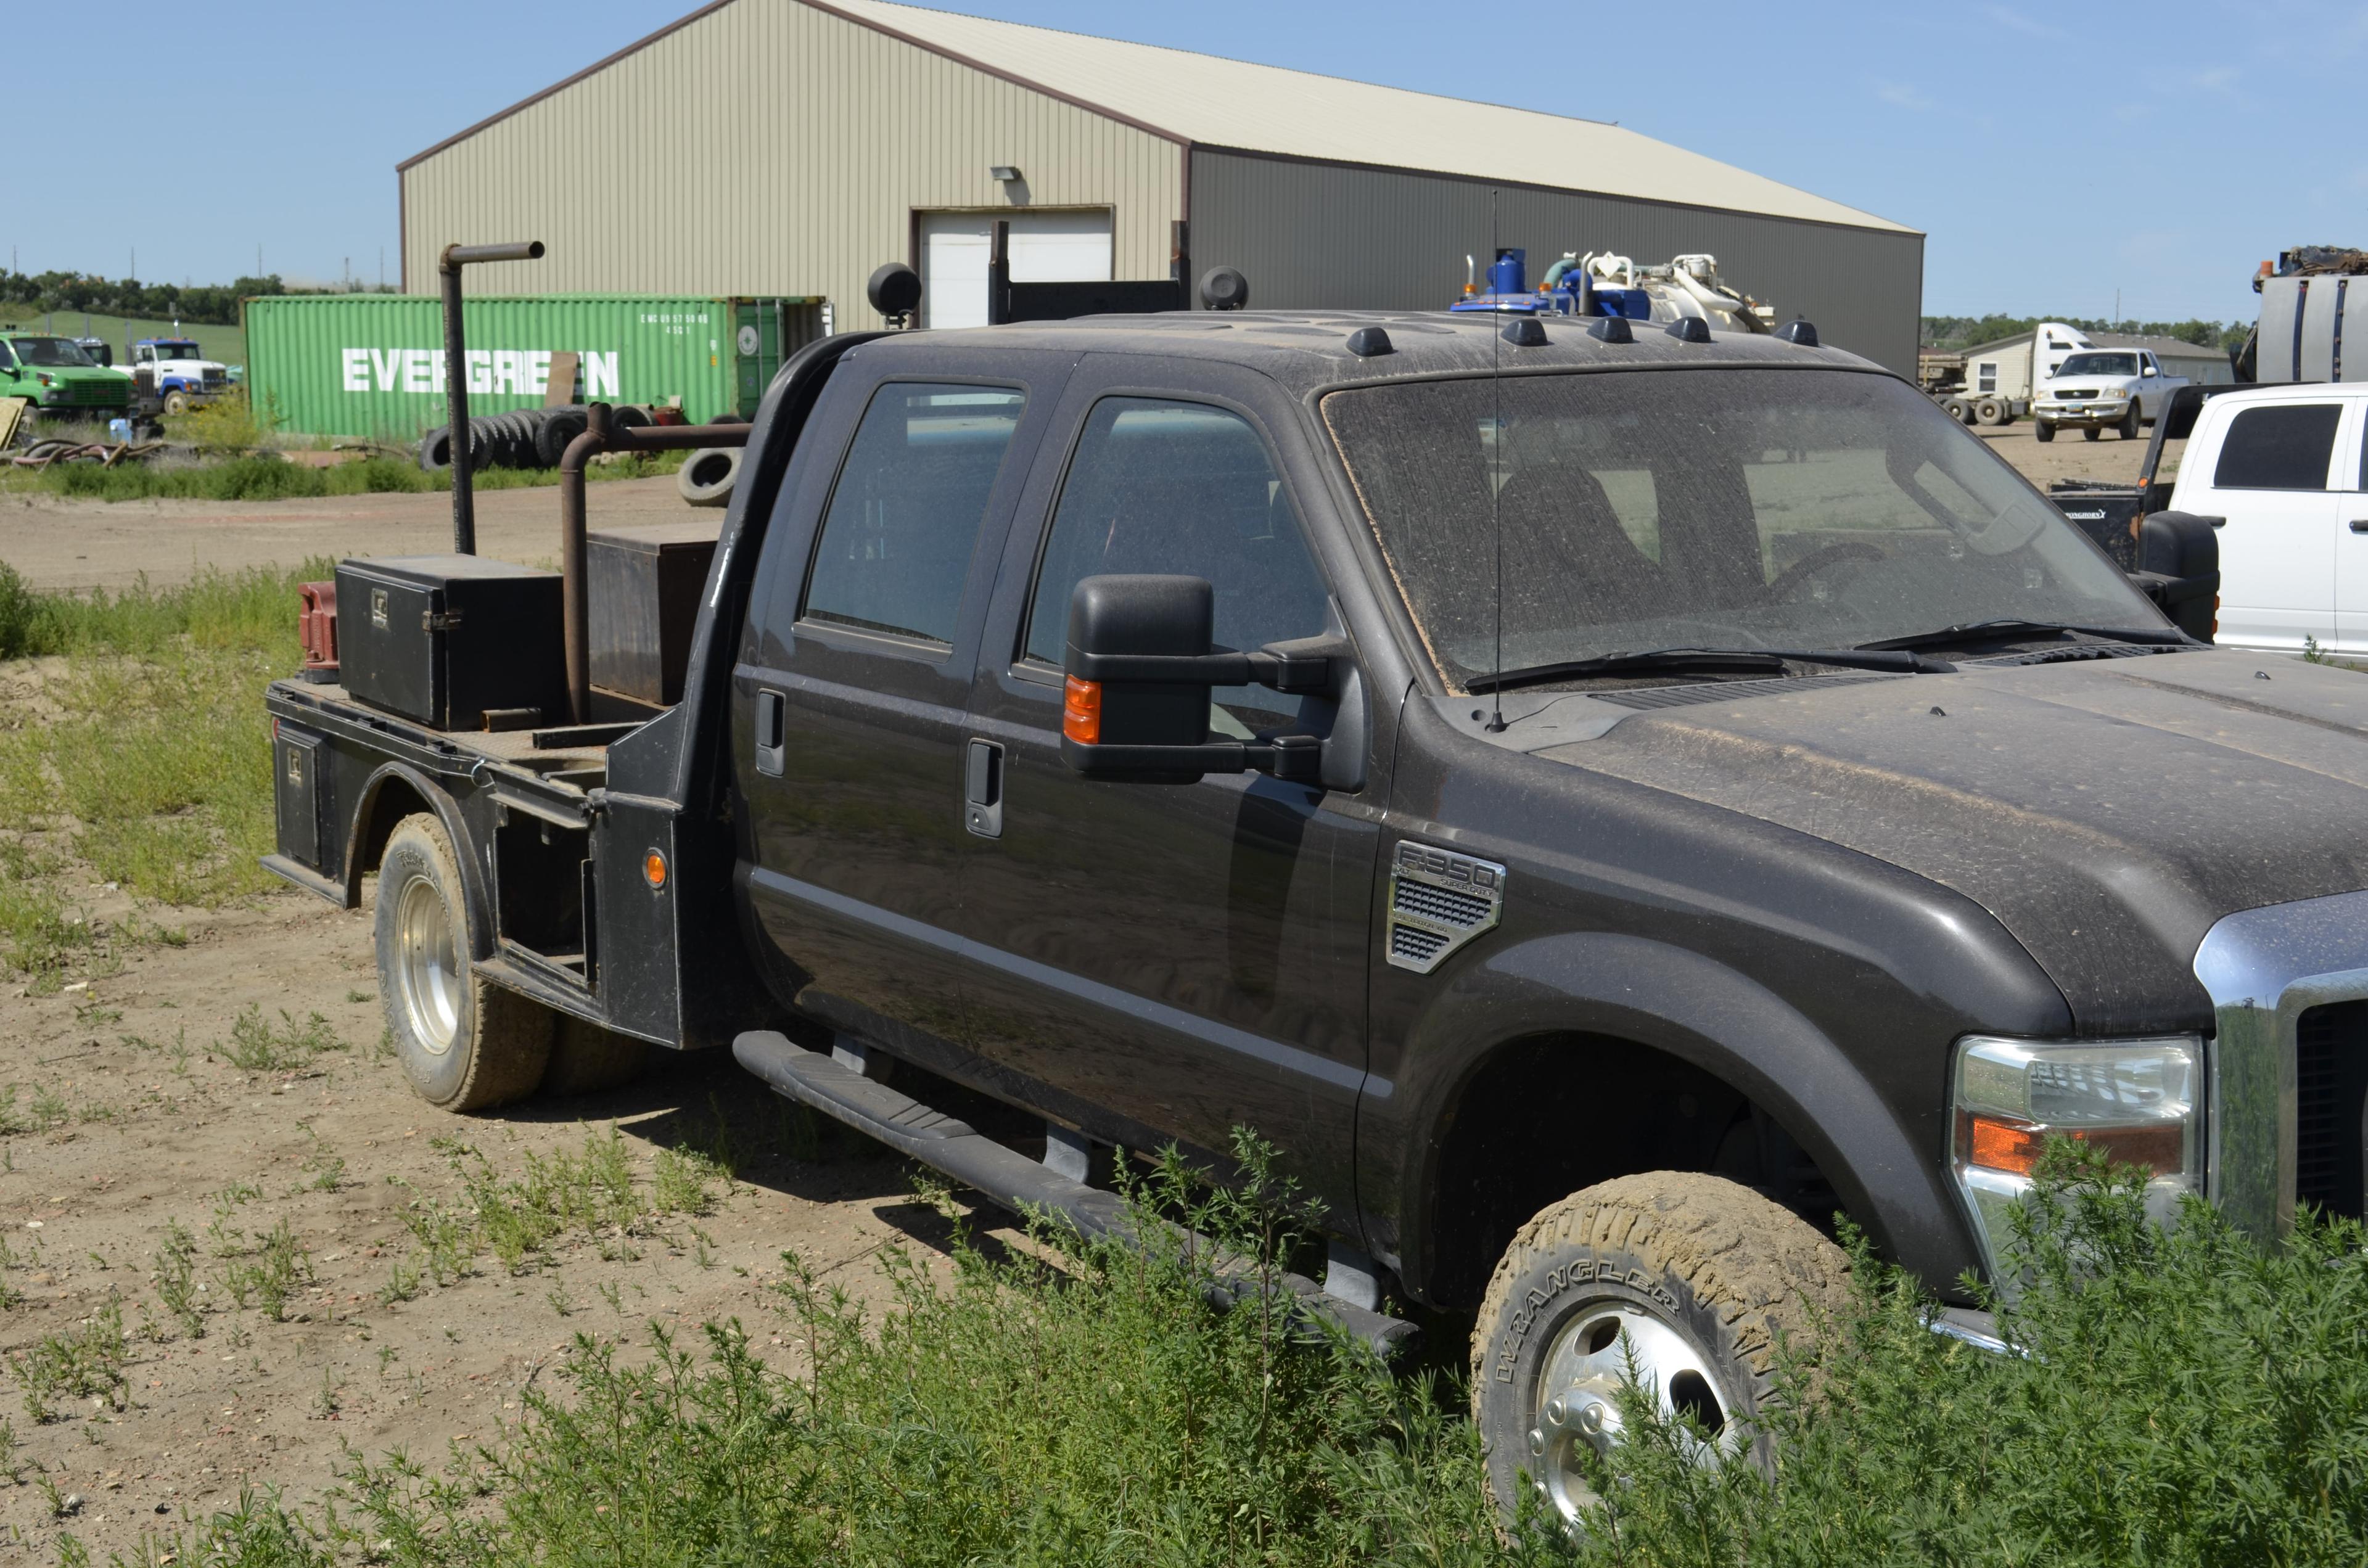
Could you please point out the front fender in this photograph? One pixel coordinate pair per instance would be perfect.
(1701, 1012)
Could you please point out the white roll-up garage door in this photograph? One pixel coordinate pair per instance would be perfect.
(1068, 246)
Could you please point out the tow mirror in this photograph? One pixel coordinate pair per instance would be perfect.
(2179, 569)
(1140, 667)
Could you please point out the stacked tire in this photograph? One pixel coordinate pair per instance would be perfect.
(526, 437)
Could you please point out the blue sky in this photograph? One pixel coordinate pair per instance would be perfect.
(2054, 155)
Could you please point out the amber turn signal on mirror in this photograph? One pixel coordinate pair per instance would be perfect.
(1081, 712)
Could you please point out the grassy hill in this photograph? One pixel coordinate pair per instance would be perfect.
(227, 343)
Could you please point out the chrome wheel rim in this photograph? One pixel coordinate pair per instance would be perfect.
(427, 966)
(1577, 1408)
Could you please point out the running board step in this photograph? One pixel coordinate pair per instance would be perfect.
(1010, 1179)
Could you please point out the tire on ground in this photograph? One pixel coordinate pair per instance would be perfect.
(2092, 433)
(707, 476)
(465, 1043)
(436, 448)
(1954, 407)
(1726, 1269)
(176, 403)
(1990, 411)
(2045, 429)
(2131, 421)
(586, 1058)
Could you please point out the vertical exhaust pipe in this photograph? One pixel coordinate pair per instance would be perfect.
(456, 376)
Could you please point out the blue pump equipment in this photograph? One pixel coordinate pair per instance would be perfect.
(1567, 291)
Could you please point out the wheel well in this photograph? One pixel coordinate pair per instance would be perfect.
(394, 799)
(1543, 1117)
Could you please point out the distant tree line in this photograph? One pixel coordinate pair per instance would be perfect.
(1950, 332)
(204, 304)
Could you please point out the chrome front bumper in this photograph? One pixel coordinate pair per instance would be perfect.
(2263, 969)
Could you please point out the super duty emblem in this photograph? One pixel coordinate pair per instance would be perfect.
(1438, 901)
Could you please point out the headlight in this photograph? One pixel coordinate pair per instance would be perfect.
(2139, 1100)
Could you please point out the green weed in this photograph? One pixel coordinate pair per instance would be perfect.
(87, 1362)
(175, 1265)
(258, 1046)
(280, 1267)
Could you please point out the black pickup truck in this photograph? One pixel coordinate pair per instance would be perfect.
(1601, 800)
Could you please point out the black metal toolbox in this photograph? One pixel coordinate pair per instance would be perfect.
(643, 584)
(448, 640)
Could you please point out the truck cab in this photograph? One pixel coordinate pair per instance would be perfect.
(60, 380)
(175, 375)
(2096, 390)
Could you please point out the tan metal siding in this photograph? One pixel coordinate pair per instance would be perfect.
(769, 148)
(1310, 235)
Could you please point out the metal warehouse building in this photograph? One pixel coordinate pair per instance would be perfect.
(788, 147)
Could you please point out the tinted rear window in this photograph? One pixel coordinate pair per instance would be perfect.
(2279, 448)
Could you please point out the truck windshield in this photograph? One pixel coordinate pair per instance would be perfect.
(48, 351)
(176, 351)
(1723, 509)
(2100, 365)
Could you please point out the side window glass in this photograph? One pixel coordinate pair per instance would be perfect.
(1182, 487)
(904, 518)
(2278, 448)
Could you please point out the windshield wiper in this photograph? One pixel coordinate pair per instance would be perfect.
(2000, 629)
(1739, 661)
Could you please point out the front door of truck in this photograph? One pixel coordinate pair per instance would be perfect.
(853, 675)
(1151, 961)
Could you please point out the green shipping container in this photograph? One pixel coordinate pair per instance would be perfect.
(372, 365)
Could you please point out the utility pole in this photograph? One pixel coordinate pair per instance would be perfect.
(2117, 307)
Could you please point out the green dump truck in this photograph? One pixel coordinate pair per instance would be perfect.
(60, 378)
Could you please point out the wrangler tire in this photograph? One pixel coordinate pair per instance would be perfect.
(1703, 1274)
(465, 1043)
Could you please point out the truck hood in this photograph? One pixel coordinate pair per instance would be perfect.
(2106, 812)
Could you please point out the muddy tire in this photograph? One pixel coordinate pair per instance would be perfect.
(1700, 1274)
(586, 1058)
(465, 1043)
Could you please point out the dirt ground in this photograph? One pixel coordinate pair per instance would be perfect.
(141, 1135)
(2070, 456)
(55, 543)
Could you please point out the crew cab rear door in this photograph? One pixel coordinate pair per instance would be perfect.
(854, 669)
(1155, 962)
(2267, 467)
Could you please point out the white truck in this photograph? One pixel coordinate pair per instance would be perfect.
(174, 375)
(2097, 390)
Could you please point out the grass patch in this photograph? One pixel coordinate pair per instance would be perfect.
(260, 1046)
(87, 1361)
(148, 756)
(2184, 1398)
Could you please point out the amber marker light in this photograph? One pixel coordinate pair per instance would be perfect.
(653, 870)
(1081, 712)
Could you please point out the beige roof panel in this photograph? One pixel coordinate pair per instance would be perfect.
(1265, 109)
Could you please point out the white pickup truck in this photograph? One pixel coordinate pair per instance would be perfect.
(2283, 466)
(2101, 389)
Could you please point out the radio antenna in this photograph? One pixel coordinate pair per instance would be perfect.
(1497, 467)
